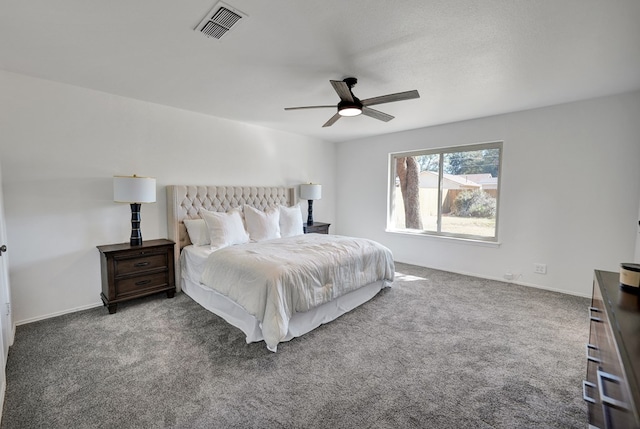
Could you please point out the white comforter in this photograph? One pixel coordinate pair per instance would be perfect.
(274, 279)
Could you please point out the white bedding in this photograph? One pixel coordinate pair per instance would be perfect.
(272, 280)
(193, 259)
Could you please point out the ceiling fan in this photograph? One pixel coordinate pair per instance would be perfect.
(350, 105)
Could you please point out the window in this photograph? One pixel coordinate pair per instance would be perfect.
(450, 192)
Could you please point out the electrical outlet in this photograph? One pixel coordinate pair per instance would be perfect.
(540, 268)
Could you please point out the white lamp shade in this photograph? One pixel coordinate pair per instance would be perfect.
(134, 189)
(311, 191)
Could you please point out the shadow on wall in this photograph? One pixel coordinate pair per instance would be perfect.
(53, 228)
(40, 290)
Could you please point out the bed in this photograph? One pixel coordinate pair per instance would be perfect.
(256, 286)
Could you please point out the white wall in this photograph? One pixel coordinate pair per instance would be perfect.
(570, 192)
(60, 147)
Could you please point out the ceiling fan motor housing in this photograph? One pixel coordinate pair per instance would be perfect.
(348, 108)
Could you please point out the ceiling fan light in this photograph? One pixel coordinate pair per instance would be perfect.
(349, 111)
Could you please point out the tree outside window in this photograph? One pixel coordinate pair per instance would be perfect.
(451, 191)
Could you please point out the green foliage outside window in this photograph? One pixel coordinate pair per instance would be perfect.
(476, 203)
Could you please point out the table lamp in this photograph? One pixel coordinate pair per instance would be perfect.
(134, 190)
(310, 192)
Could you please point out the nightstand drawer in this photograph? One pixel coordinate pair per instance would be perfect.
(129, 264)
(140, 284)
(316, 228)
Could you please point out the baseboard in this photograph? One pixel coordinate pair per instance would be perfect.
(3, 390)
(59, 313)
(566, 292)
(497, 279)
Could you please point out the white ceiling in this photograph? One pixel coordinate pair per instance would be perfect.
(467, 58)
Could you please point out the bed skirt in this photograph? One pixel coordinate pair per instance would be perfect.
(300, 323)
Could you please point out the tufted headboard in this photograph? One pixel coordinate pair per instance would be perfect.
(185, 202)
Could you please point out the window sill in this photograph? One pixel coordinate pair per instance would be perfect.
(461, 240)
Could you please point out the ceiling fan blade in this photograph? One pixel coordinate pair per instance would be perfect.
(373, 113)
(342, 89)
(332, 120)
(399, 96)
(333, 106)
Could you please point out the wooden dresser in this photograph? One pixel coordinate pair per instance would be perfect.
(612, 387)
(130, 272)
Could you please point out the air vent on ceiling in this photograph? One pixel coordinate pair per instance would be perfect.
(220, 20)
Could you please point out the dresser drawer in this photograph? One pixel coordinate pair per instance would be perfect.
(613, 395)
(130, 264)
(594, 350)
(140, 284)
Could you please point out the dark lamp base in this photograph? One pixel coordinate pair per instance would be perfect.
(136, 234)
(310, 212)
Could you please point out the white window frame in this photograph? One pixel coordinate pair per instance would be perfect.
(441, 152)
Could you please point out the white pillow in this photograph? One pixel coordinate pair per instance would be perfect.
(225, 229)
(290, 221)
(262, 225)
(198, 232)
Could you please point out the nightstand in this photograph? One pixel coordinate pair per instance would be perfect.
(130, 272)
(317, 227)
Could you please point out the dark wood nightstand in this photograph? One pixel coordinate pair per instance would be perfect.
(130, 272)
(317, 227)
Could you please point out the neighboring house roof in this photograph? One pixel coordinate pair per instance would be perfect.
(463, 181)
(484, 179)
(429, 179)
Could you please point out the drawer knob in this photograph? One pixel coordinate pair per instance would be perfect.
(592, 317)
(592, 358)
(141, 264)
(608, 400)
(143, 282)
(587, 398)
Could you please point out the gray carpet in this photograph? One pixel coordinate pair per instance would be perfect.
(439, 350)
